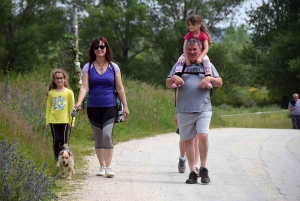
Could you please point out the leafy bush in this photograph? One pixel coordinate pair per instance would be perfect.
(20, 180)
(238, 96)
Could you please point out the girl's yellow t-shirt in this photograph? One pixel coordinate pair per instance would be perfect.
(60, 105)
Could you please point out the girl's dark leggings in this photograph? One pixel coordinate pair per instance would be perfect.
(60, 137)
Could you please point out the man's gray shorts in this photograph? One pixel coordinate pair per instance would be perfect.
(194, 123)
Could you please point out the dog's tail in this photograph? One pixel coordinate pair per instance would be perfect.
(65, 146)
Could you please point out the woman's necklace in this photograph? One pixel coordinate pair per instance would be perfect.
(101, 66)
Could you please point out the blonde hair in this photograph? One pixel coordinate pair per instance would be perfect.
(52, 84)
(197, 19)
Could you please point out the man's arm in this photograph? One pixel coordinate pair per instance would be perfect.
(173, 78)
(178, 80)
(217, 81)
(291, 107)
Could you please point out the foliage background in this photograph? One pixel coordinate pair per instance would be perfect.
(259, 63)
(147, 37)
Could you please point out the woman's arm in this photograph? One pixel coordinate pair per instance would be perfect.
(83, 89)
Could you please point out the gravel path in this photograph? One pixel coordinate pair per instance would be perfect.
(244, 164)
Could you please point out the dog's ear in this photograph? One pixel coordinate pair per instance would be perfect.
(61, 153)
(70, 153)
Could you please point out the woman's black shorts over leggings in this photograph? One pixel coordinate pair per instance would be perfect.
(102, 120)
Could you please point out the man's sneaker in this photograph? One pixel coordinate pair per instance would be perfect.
(192, 178)
(204, 176)
(101, 171)
(181, 166)
(109, 172)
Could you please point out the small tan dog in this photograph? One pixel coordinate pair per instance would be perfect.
(66, 160)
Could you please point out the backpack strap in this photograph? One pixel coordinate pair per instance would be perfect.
(113, 69)
(175, 90)
(114, 72)
(90, 64)
(293, 103)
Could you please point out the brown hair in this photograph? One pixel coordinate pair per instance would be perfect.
(95, 42)
(52, 84)
(197, 19)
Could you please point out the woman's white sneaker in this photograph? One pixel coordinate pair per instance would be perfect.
(109, 172)
(101, 171)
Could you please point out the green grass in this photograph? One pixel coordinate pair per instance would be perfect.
(252, 120)
(151, 109)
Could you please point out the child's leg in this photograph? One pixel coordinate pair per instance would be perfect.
(207, 69)
(206, 64)
(179, 67)
(63, 135)
(55, 136)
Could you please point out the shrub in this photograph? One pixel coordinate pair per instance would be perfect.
(20, 180)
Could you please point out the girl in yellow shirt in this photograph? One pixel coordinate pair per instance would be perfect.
(60, 103)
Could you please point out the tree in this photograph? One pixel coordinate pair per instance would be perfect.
(147, 38)
(237, 72)
(169, 17)
(29, 29)
(274, 25)
(123, 23)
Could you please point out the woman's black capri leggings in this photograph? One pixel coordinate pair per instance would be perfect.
(102, 120)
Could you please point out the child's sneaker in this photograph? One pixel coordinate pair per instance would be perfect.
(101, 171)
(181, 166)
(174, 85)
(109, 172)
(209, 86)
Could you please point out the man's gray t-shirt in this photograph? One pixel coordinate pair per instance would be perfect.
(297, 108)
(191, 98)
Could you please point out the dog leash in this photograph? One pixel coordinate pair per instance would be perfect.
(73, 114)
(69, 137)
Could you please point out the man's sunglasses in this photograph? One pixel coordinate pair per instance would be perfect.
(101, 47)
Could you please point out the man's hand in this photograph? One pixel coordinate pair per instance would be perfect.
(204, 82)
(178, 80)
(175, 119)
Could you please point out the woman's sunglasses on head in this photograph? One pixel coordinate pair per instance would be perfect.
(101, 47)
